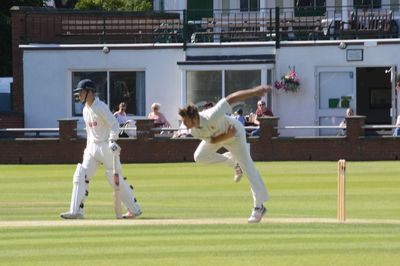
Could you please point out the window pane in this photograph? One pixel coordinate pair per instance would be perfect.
(254, 5)
(309, 7)
(5, 102)
(309, 3)
(6, 94)
(368, 3)
(127, 87)
(332, 86)
(244, 5)
(225, 4)
(249, 5)
(203, 86)
(241, 79)
(99, 78)
(304, 3)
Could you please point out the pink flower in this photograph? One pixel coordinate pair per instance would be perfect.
(288, 82)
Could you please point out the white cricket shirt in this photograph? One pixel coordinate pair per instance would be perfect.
(100, 123)
(215, 121)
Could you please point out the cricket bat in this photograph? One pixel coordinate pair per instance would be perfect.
(117, 195)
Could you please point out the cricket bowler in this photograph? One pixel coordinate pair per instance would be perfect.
(217, 130)
(101, 148)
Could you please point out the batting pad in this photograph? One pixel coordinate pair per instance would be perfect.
(79, 187)
(127, 196)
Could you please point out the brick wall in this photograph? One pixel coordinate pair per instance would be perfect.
(18, 31)
(15, 118)
(10, 120)
(268, 147)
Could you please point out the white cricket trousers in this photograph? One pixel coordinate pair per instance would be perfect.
(96, 154)
(239, 152)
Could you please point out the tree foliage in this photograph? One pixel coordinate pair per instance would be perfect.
(115, 5)
(65, 3)
(5, 22)
(5, 32)
(7, 4)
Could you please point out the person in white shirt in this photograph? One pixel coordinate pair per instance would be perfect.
(122, 120)
(121, 114)
(343, 124)
(217, 129)
(102, 132)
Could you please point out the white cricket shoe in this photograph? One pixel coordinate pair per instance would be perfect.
(257, 214)
(238, 173)
(130, 215)
(68, 215)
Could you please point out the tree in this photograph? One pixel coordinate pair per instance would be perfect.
(5, 32)
(65, 3)
(115, 5)
(5, 21)
(7, 4)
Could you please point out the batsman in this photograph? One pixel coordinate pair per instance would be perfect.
(101, 148)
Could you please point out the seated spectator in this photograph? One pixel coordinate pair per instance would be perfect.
(159, 118)
(122, 118)
(342, 132)
(239, 116)
(262, 111)
(182, 132)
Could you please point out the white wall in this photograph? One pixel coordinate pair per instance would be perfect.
(47, 79)
(299, 108)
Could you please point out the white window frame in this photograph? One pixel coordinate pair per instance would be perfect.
(69, 101)
(225, 67)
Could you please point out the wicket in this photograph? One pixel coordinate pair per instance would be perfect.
(341, 211)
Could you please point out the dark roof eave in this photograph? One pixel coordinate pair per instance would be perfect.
(226, 62)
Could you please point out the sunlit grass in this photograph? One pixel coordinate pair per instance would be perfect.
(186, 190)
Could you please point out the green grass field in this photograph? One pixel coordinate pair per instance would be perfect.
(189, 191)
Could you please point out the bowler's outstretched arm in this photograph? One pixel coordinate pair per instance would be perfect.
(241, 95)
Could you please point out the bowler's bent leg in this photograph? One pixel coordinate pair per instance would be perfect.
(207, 153)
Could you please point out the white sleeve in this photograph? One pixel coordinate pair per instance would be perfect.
(110, 120)
(218, 111)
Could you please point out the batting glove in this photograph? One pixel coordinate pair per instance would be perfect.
(114, 147)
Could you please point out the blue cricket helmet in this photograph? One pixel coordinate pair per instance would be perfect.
(85, 84)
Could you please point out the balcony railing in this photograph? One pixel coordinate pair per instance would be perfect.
(277, 24)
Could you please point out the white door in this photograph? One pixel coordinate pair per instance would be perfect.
(335, 92)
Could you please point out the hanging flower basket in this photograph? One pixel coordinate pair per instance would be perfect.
(289, 82)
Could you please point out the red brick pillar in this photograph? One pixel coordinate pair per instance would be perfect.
(67, 128)
(143, 128)
(19, 33)
(268, 127)
(355, 127)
